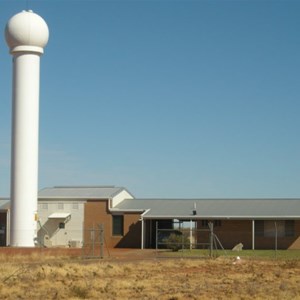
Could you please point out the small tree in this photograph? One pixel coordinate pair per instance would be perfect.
(175, 242)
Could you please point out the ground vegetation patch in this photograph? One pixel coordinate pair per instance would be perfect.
(170, 279)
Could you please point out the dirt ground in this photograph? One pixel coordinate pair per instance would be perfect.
(109, 254)
(140, 274)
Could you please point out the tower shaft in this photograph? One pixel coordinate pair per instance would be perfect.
(26, 35)
(24, 161)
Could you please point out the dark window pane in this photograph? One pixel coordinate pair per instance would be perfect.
(289, 228)
(217, 223)
(259, 228)
(204, 223)
(117, 225)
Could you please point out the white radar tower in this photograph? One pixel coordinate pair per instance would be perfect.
(26, 34)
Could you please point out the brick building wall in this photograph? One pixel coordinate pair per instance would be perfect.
(286, 242)
(233, 232)
(230, 233)
(96, 212)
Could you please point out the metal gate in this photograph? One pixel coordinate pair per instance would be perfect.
(93, 242)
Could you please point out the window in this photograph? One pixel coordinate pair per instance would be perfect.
(272, 226)
(44, 205)
(61, 225)
(117, 225)
(217, 223)
(75, 205)
(289, 228)
(60, 205)
(259, 228)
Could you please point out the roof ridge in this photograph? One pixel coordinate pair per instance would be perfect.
(82, 186)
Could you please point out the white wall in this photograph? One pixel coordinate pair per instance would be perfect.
(120, 197)
(73, 230)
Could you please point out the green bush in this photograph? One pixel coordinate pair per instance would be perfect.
(175, 242)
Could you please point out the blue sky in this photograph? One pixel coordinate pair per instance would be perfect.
(167, 98)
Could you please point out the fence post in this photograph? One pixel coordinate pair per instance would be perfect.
(101, 227)
(275, 239)
(93, 240)
(156, 236)
(191, 235)
(211, 238)
(182, 241)
(253, 235)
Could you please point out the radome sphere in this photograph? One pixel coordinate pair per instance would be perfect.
(26, 29)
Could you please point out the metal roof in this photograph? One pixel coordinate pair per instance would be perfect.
(215, 208)
(80, 192)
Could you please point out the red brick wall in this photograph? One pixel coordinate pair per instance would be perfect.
(232, 232)
(282, 242)
(96, 212)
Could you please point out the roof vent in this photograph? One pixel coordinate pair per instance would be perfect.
(195, 209)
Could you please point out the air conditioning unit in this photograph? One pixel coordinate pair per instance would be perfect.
(74, 244)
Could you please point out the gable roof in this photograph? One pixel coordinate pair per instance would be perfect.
(81, 192)
(215, 208)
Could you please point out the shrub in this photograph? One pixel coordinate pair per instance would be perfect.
(80, 292)
(176, 241)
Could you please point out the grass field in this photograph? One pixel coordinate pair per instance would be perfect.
(256, 254)
(38, 276)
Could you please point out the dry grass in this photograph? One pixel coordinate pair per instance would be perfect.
(65, 278)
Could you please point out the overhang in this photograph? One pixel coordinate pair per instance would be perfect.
(59, 215)
(234, 209)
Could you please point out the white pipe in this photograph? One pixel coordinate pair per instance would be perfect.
(8, 228)
(142, 234)
(142, 228)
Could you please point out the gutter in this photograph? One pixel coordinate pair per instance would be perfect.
(125, 210)
(193, 217)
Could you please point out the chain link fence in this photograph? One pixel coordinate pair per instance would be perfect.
(229, 238)
(93, 242)
(188, 241)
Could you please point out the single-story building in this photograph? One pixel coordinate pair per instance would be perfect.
(253, 222)
(68, 216)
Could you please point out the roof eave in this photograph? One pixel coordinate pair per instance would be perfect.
(72, 198)
(199, 217)
(127, 210)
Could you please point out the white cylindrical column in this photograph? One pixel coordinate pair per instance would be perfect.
(24, 163)
(26, 35)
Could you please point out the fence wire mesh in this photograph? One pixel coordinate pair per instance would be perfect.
(224, 238)
(93, 242)
(186, 241)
